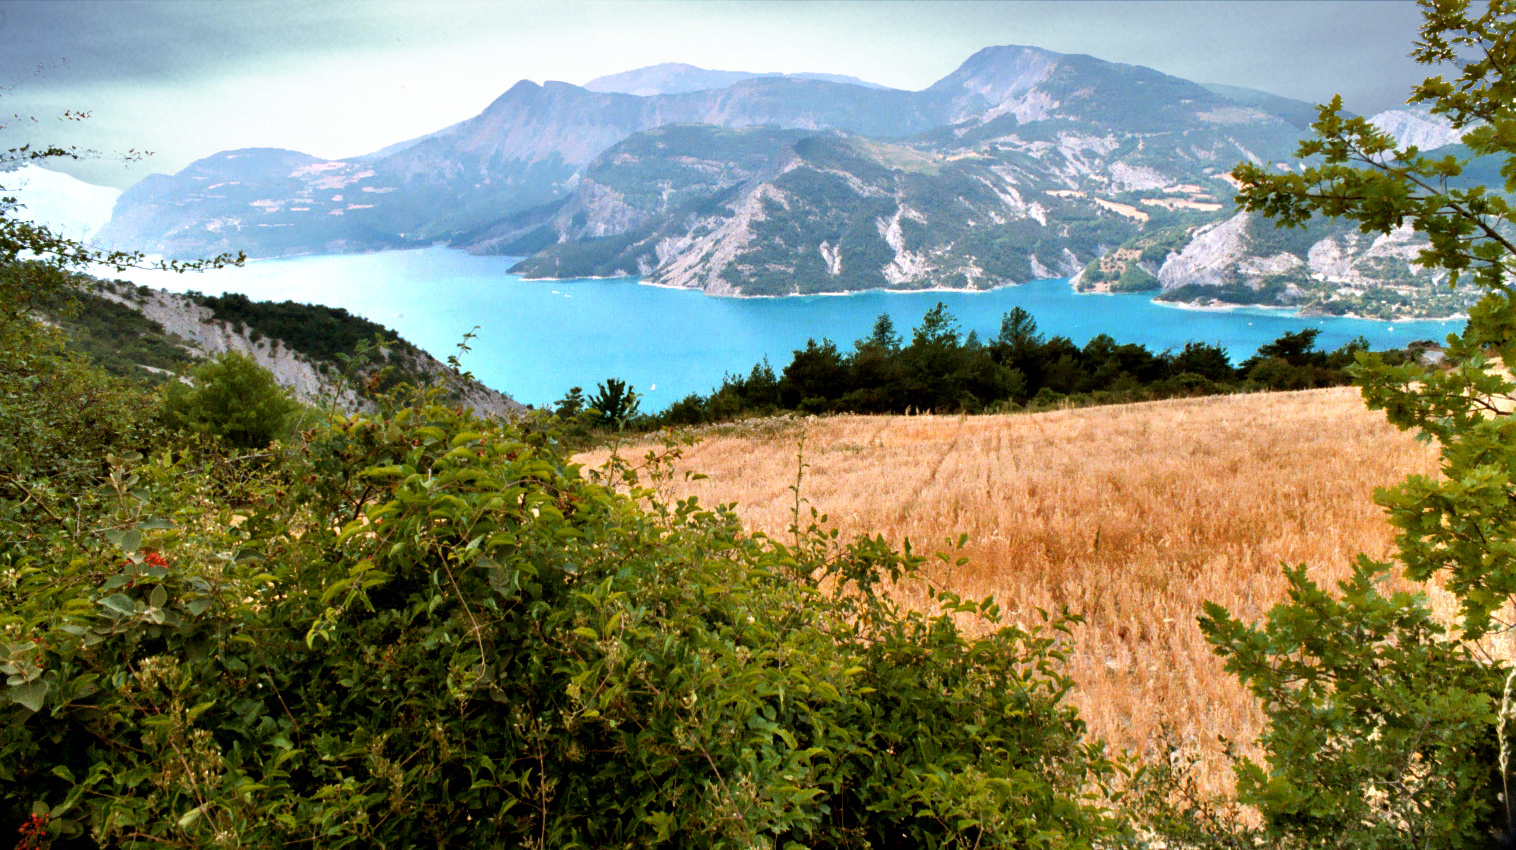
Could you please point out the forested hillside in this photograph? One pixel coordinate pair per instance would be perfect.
(314, 351)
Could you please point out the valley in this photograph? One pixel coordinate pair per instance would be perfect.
(670, 342)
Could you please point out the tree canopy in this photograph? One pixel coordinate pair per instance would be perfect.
(1389, 725)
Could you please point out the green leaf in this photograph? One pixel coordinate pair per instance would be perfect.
(120, 603)
(29, 694)
(128, 541)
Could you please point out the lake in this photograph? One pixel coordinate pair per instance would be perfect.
(536, 339)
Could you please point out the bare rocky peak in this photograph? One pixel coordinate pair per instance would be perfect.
(997, 80)
(1414, 126)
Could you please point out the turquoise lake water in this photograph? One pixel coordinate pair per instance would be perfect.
(536, 339)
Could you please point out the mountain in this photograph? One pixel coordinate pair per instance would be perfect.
(1327, 267)
(1416, 126)
(1046, 161)
(67, 205)
(524, 150)
(676, 78)
(1020, 164)
(1032, 85)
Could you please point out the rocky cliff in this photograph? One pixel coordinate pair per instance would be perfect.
(1328, 267)
(1415, 126)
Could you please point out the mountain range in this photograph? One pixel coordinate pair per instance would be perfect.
(1021, 164)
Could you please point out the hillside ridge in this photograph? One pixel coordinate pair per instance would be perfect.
(191, 322)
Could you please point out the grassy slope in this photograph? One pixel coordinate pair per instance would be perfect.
(1132, 515)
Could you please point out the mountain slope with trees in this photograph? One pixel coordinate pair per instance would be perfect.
(314, 352)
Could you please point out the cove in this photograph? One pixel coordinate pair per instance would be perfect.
(536, 339)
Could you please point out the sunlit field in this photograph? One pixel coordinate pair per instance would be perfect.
(1129, 515)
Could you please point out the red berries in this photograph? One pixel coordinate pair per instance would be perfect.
(33, 832)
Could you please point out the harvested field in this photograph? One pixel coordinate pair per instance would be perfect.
(1131, 515)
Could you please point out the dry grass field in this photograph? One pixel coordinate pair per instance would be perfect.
(1131, 515)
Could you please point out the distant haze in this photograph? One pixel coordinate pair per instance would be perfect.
(676, 77)
(341, 78)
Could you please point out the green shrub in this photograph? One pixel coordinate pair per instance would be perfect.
(232, 399)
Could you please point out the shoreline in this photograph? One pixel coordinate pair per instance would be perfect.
(1227, 307)
(887, 291)
(1214, 307)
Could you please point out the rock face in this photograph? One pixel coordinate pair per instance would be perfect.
(1328, 267)
(1415, 126)
(310, 381)
(1212, 256)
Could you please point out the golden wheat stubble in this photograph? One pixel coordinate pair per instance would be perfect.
(1130, 515)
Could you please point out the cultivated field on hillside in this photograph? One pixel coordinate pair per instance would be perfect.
(1131, 515)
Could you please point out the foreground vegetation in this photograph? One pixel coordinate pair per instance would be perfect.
(415, 627)
(419, 629)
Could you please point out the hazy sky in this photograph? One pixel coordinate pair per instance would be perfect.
(185, 79)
